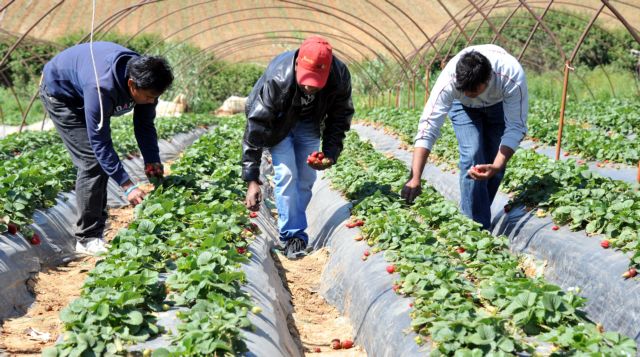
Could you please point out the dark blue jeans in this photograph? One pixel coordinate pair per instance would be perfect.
(479, 131)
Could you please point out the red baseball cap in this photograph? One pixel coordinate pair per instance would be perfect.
(314, 62)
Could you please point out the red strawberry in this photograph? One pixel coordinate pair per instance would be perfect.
(366, 253)
(241, 250)
(604, 244)
(12, 228)
(460, 250)
(335, 344)
(314, 154)
(320, 156)
(410, 304)
(350, 225)
(317, 350)
(395, 287)
(359, 223)
(630, 273)
(310, 160)
(555, 228)
(566, 153)
(35, 239)
(253, 214)
(346, 344)
(391, 269)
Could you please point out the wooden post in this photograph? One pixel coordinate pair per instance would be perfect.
(398, 96)
(567, 68)
(426, 85)
(413, 96)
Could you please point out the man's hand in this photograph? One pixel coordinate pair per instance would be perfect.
(154, 172)
(154, 169)
(322, 164)
(135, 196)
(487, 171)
(411, 190)
(318, 161)
(254, 196)
(482, 172)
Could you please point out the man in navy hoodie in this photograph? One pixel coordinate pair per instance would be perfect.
(81, 109)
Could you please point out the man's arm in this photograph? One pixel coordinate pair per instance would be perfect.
(431, 120)
(145, 132)
(101, 143)
(261, 109)
(100, 138)
(338, 120)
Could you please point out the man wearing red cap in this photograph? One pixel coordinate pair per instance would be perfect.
(301, 94)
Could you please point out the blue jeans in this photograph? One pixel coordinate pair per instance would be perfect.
(294, 178)
(479, 132)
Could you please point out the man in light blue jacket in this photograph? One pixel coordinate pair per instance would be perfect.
(483, 89)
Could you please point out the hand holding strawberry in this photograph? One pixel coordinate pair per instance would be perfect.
(154, 172)
(318, 162)
(483, 172)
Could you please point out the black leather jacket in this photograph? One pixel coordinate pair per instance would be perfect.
(274, 106)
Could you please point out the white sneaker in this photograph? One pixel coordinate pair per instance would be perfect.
(94, 247)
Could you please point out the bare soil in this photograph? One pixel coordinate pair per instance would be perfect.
(55, 289)
(314, 322)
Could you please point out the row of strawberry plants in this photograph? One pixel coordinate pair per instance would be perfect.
(166, 127)
(192, 229)
(33, 179)
(571, 193)
(471, 297)
(18, 143)
(604, 132)
(404, 123)
(617, 115)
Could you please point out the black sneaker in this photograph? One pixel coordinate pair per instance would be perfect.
(295, 248)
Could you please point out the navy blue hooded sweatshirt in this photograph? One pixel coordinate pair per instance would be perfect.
(70, 77)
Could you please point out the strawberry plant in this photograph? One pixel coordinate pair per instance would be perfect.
(477, 300)
(595, 130)
(189, 229)
(36, 167)
(572, 194)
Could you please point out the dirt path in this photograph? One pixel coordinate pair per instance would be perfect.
(316, 322)
(55, 289)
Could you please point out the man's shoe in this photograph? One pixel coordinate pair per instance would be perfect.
(295, 248)
(94, 247)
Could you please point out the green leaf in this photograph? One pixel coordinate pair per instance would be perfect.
(551, 302)
(50, 352)
(506, 345)
(146, 226)
(102, 312)
(161, 352)
(204, 258)
(134, 318)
